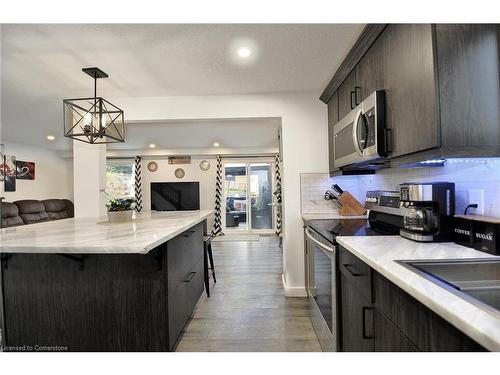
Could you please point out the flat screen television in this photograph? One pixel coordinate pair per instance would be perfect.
(175, 196)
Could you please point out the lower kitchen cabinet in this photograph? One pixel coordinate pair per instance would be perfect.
(356, 304)
(357, 319)
(377, 315)
(388, 338)
(427, 330)
(185, 279)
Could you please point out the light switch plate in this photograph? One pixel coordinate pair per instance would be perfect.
(476, 196)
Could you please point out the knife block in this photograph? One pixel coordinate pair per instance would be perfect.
(350, 205)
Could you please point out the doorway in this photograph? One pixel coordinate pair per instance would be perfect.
(248, 196)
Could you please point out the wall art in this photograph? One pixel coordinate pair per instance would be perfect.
(25, 170)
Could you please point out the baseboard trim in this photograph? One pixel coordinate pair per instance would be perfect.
(293, 291)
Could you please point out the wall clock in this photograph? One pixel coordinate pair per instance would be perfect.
(204, 165)
(152, 166)
(179, 173)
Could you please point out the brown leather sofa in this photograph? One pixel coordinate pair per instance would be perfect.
(30, 211)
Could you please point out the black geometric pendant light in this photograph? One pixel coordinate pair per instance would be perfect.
(93, 120)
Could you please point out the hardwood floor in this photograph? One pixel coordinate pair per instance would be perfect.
(247, 310)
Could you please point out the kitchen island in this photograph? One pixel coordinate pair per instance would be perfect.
(90, 285)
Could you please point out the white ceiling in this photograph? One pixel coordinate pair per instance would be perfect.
(41, 64)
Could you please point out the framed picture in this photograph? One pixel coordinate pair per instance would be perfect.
(9, 172)
(25, 170)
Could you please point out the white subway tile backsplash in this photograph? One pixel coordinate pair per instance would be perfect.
(312, 191)
(467, 174)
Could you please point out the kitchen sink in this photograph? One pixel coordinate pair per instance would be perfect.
(476, 280)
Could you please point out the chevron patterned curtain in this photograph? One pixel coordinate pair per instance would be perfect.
(277, 193)
(138, 184)
(217, 228)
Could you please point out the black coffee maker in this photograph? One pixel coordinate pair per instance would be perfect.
(428, 211)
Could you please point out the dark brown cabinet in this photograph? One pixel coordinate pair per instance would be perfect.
(410, 88)
(370, 71)
(415, 322)
(185, 279)
(356, 305)
(333, 118)
(468, 67)
(346, 95)
(388, 338)
(376, 315)
(441, 83)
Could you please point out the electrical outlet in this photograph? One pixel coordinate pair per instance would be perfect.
(476, 196)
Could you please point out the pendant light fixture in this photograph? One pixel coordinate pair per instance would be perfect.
(93, 120)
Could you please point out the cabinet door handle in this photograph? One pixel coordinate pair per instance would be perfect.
(188, 233)
(352, 101)
(349, 268)
(388, 140)
(365, 335)
(356, 88)
(190, 277)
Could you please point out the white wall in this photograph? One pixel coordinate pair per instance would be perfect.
(53, 174)
(305, 147)
(89, 179)
(165, 173)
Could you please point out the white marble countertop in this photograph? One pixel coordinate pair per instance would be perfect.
(97, 235)
(328, 216)
(380, 253)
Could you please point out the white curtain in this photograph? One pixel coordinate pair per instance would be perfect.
(217, 228)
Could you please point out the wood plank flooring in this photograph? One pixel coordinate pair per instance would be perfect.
(247, 310)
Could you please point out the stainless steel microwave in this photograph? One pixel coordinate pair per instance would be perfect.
(360, 137)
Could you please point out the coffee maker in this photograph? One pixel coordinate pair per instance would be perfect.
(428, 211)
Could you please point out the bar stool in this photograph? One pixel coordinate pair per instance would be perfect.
(208, 257)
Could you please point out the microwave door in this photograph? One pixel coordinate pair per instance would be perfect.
(344, 147)
(345, 150)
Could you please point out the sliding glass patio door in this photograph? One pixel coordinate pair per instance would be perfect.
(248, 197)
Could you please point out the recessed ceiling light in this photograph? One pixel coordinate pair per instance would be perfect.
(216, 144)
(152, 145)
(50, 137)
(244, 52)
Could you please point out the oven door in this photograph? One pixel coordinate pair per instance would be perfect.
(322, 289)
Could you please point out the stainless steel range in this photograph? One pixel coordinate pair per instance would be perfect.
(321, 257)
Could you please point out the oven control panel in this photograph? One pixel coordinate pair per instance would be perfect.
(382, 198)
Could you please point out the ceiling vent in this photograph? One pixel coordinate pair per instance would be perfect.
(179, 160)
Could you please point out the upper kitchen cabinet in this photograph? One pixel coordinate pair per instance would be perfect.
(468, 68)
(333, 118)
(346, 95)
(410, 87)
(441, 83)
(370, 71)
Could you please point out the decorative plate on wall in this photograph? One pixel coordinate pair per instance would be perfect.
(179, 173)
(205, 165)
(152, 166)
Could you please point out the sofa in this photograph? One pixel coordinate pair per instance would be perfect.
(31, 211)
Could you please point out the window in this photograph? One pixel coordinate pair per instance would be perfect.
(120, 178)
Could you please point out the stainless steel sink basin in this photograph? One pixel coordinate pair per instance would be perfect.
(476, 280)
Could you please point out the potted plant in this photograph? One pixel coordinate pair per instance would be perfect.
(120, 209)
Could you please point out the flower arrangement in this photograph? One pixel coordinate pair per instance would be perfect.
(120, 204)
(116, 204)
